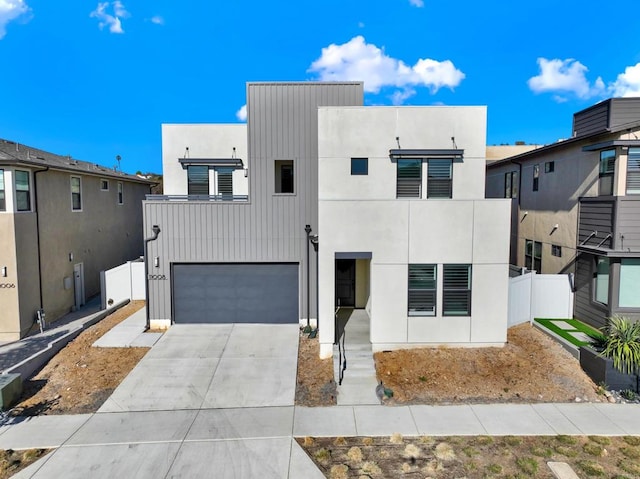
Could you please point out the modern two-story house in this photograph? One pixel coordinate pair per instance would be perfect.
(62, 221)
(318, 202)
(576, 208)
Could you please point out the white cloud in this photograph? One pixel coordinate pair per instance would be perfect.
(241, 114)
(110, 20)
(157, 19)
(357, 60)
(627, 83)
(10, 10)
(417, 3)
(564, 76)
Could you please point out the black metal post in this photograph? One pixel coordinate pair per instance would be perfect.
(156, 232)
(307, 230)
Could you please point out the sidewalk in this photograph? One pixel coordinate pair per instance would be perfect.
(29, 354)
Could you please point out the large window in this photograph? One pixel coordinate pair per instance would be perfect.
(76, 193)
(607, 169)
(422, 289)
(629, 280)
(23, 191)
(633, 172)
(511, 184)
(284, 176)
(439, 178)
(198, 180)
(536, 177)
(359, 166)
(225, 183)
(456, 290)
(601, 281)
(409, 180)
(533, 255)
(3, 204)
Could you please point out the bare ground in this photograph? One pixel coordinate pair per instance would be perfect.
(80, 377)
(531, 368)
(315, 385)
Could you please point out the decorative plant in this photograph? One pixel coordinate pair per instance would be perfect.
(622, 344)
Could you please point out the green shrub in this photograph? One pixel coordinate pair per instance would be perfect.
(540, 451)
(512, 440)
(494, 468)
(631, 452)
(566, 451)
(591, 468)
(563, 439)
(632, 440)
(593, 449)
(623, 343)
(604, 440)
(527, 465)
(630, 466)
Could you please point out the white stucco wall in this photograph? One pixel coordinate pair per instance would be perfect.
(204, 141)
(362, 214)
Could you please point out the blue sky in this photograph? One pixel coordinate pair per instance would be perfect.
(97, 79)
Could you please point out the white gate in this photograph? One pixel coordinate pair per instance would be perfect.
(539, 296)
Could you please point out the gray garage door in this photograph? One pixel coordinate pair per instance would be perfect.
(235, 293)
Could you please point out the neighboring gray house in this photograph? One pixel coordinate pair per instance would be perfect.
(576, 208)
(395, 196)
(62, 221)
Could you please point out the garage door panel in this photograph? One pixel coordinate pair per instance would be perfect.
(235, 293)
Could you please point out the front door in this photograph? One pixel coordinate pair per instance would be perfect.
(78, 283)
(346, 282)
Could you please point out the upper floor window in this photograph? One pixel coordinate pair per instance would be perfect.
(439, 179)
(359, 166)
(76, 193)
(409, 178)
(225, 183)
(456, 290)
(536, 177)
(23, 191)
(284, 176)
(549, 166)
(3, 204)
(511, 184)
(422, 290)
(633, 171)
(198, 180)
(556, 250)
(120, 193)
(104, 185)
(607, 169)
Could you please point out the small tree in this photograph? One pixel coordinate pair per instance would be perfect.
(622, 344)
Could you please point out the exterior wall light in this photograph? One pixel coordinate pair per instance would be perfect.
(4, 271)
(70, 257)
(156, 261)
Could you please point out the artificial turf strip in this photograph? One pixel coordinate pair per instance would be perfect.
(577, 325)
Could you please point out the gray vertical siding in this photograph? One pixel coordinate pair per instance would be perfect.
(282, 124)
(623, 111)
(585, 309)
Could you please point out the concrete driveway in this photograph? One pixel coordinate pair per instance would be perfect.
(203, 366)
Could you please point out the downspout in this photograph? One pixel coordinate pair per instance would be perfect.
(307, 230)
(35, 192)
(156, 232)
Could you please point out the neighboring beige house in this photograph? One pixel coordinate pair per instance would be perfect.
(62, 221)
(500, 152)
(576, 208)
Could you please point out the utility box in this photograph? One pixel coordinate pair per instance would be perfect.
(10, 389)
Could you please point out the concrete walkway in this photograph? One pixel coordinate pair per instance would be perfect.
(218, 400)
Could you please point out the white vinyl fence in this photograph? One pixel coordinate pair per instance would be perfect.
(539, 296)
(123, 282)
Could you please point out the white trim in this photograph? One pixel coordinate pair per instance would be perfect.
(101, 188)
(71, 177)
(120, 193)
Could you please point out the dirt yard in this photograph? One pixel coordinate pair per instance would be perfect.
(474, 457)
(80, 377)
(315, 385)
(531, 368)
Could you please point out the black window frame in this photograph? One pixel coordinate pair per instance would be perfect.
(455, 292)
(606, 171)
(284, 176)
(359, 166)
(3, 199)
(407, 184)
(23, 195)
(76, 196)
(536, 177)
(439, 186)
(120, 189)
(556, 250)
(197, 180)
(422, 297)
(549, 166)
(104, 182)
(511, 178)
(533, 255)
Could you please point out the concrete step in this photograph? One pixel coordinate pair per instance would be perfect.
(357, 391)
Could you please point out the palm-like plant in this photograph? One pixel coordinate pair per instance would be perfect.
(622, 344)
